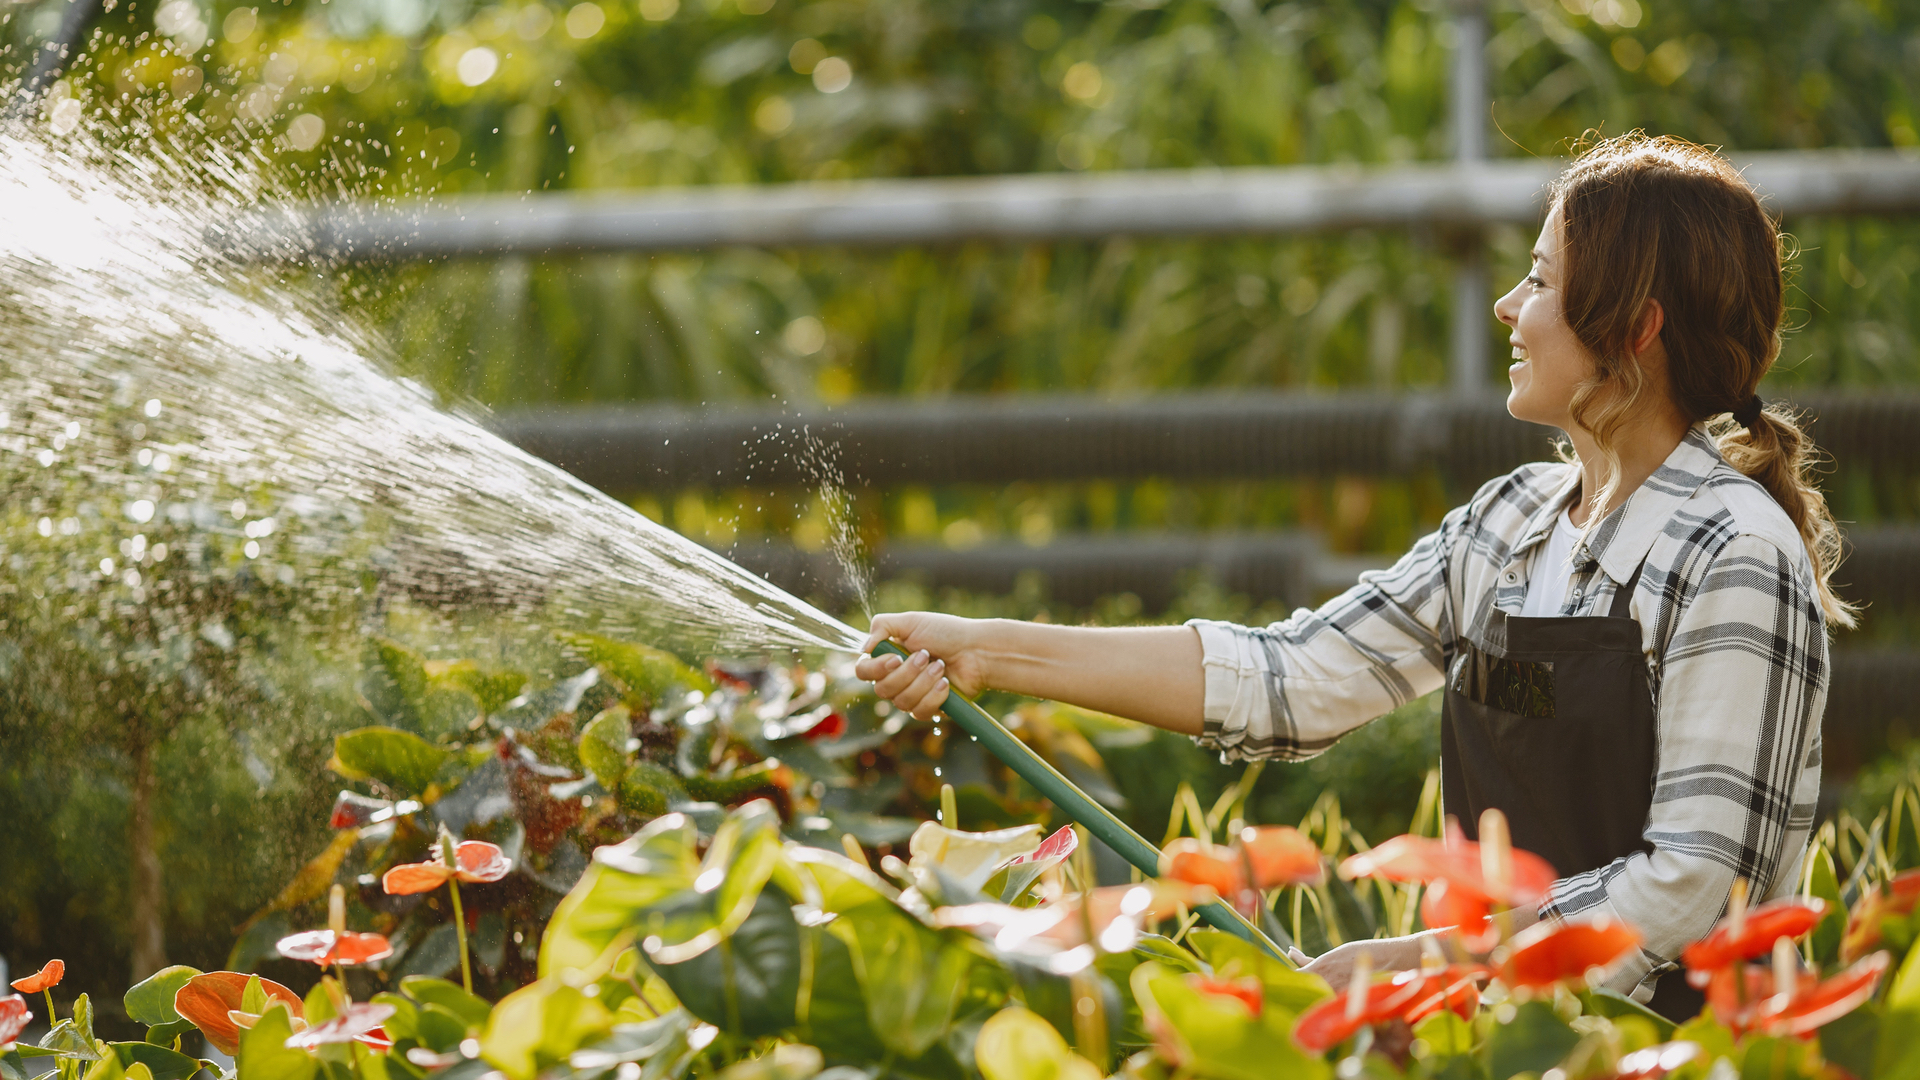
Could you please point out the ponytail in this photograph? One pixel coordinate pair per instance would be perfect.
(1774, 452)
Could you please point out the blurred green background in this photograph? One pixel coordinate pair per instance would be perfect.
(408, 97)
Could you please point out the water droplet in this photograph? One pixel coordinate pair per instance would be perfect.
(252, 549)
(153, 406)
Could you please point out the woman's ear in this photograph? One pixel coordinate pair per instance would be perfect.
(1647, 331)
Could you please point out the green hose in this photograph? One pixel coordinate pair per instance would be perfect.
(1075, 803)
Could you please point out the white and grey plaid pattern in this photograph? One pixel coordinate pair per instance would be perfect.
(1736, 648)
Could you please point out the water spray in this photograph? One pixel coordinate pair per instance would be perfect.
(1077, 805)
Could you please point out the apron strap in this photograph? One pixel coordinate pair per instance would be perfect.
(1624, 598)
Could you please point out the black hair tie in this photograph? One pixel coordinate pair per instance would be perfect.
(1748, 414)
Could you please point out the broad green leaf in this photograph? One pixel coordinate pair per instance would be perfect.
(1228, 1043)
(12, 1066)
(603, 746)
(611, 898)
(649, 789)
(264, 1054)
(538, 1026)
(168, 1034)
(104, 1067)
(1535, 1040)
(913, 977)
(836, 1010)
(642, 670)
(1445, 1034)
(404, 1024)
(749, 982)
(150, 1001)
(1015, 1044)
(164, 1063)
(1284, 986)
(470, 1008)
(1169, 953)
(1714, 1038)
(439, 1029)
(1613, 1004)
(491, 688)
(401, 760)
(67, 1040)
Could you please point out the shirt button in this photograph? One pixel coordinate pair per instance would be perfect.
(1512, 577)
(1576, 594)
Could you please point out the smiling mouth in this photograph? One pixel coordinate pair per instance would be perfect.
(1520, 353)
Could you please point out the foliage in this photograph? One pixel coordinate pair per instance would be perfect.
(729, 949)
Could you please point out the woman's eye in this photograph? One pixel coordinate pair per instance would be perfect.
(1535, 281)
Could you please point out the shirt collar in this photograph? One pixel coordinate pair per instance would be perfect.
(1546, 516)
(1624, 537)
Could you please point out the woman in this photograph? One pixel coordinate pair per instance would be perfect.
(1632, 642)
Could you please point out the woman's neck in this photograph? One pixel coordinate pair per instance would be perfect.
(1642, 442)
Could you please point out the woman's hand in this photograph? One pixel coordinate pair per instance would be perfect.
(944, 655)
(1336, 965)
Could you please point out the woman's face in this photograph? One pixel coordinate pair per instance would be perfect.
(1549, 363)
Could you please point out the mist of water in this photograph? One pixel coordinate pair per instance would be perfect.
(184, 434)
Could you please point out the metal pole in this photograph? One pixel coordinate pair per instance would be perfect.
(1469, 107)
(48, 61)
(1060, 791)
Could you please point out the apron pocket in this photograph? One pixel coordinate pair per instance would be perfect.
(1521, 687)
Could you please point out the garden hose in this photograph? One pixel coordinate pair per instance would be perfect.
(1076, 804)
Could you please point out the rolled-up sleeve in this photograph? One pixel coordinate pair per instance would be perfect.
(1741, 689)
(1290, 689)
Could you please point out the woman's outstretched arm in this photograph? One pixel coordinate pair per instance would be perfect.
(1152, 674)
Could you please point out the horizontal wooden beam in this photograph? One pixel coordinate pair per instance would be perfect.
(1036, 206)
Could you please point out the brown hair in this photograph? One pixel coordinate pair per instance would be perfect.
(1663, 219)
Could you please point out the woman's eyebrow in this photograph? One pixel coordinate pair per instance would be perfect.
(1537, 255)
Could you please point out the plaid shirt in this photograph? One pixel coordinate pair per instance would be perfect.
(1736, 650)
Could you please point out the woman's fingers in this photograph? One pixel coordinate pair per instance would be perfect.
(874, 668)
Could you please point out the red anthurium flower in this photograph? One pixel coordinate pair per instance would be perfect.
(1455, 986)
(1281, 855)
(360, 1023)
(1247, 991)
(1063, 843)
(1459, 863)
(831, 726)
(479, 862)
(1797, 1005)
(1198, 862)
(46, 978)
(1753, 935)
(1549, 953)
(1337, 1019)
(1896, 898)
(14, 1018)
(325, 947)
(1654, 1062)
(1445, 906)
(207, 1000)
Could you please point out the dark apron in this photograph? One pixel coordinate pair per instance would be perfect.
(1552, 721)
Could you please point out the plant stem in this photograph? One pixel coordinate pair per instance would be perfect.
(460, 928)
(51, 1015)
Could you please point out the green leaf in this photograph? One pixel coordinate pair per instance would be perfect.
(1535, 1040)
(610, 899)
(836, 1009)
(168, 1034)
(642, 670)
(1284, 986)
(12, 1066)
(1899, 1052)
(441, 1030)
(649, 789)
(1613, 1004)
(67, 1040)
(1168, 953)
(404, 1024)
(603, 746)
(1225, 1040)
(539, 1026)
(264, 1054)
(470, 1009)
(150, 1001)
(1017, 1045)
(1851, 1041)
(1824, 884)
(163, 1062)
(403, 761)
(253, 998)
(748, 983)
(1445, 1034)
(318, 1006)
